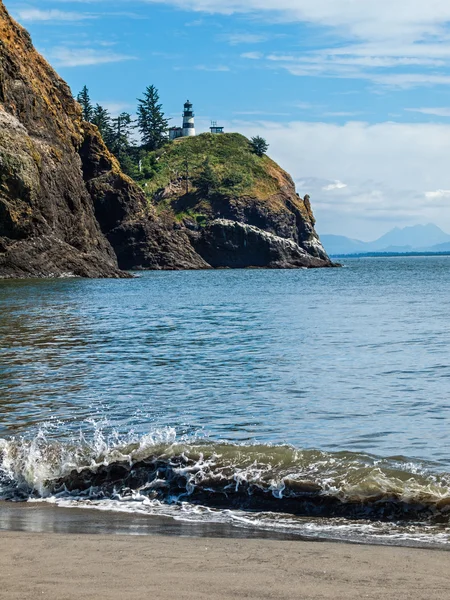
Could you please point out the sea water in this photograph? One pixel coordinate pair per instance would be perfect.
(308, 401)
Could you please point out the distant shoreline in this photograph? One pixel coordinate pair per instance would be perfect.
(388, 254)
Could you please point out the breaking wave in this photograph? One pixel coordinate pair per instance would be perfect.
(281, 480)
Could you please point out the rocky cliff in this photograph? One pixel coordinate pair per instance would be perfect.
(66, 209)
(238, 209)
(47, 223)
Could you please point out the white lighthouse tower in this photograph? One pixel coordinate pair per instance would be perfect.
(188, 120)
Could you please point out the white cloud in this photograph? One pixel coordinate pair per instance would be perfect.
(388, 170)
(78, 57)
(373, 68)
(337, 185)
(437, 194)
(213, 69)
(32, 15)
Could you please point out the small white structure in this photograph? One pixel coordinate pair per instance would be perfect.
(215, 128)
(175, 132)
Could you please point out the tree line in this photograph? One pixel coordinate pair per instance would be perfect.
(119, 133)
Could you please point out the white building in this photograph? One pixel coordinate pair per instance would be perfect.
(216, 128)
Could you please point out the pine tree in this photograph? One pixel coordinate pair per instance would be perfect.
(259, 145)
(121, 135)
(102, 118)
(84, 99)
(152, 123)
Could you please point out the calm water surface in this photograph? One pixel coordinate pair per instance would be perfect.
(347, 359)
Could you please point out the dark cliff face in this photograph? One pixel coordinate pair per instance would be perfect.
(47, 223)
(141, 239)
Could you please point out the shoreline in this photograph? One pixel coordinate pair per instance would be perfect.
(49, 518)
(74, 567)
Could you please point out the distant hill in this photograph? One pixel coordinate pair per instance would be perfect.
(339, 244)
(417, 238)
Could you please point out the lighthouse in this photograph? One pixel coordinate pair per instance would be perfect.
(188, 120)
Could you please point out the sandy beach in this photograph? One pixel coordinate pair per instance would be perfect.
(66, 567)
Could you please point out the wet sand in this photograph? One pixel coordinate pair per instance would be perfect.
(66, 567)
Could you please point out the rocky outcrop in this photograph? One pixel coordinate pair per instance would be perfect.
(225, 243)
(47, 222)
(252, 217)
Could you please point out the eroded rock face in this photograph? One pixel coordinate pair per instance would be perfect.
(226, 243)
(47, 222)
(140, 239)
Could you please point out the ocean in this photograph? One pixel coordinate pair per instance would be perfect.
(310, 403)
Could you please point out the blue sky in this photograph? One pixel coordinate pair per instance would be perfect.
(353, 96)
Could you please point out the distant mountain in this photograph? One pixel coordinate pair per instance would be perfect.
(339, 244)
(417, 238)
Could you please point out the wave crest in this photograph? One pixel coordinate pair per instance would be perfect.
(279, 479)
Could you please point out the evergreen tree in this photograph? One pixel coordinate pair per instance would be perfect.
(84, 99)
(259, 145)
(121, 135)
(152, 123)
(206, 181)
(102, 118)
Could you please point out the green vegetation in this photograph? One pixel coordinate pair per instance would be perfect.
(152, 124)
(208, 166)
(259, 145)
(200, 169)
(86, 106)
(101, 118)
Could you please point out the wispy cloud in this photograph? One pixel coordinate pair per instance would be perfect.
(236, 39)
(213, 69)
(337, 185)
(252, 55)
(437, 194)
(383, 71)
(260, 113)
(32, 15)
(438, 112)
(115, 108)
(80, 57)
(391, 43)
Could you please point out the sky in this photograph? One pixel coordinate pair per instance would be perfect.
(353, 96)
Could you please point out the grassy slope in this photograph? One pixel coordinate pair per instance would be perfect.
(239, 171)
